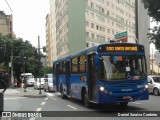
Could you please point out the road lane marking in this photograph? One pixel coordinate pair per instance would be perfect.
(136, 102)
(72, 107)
(46, 98)
(49, 94)
(39, 109)
(13, 98)
(43, 103)
(32, 118)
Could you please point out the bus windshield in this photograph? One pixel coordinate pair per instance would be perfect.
(122, 67)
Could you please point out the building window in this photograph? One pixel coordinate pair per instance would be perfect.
(92, 15)
(87, 34)
(87, 24)
(92, 25)
(92, 35)
(97, 27)
(107, 12)
(92, 5)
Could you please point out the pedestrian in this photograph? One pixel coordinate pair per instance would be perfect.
(3, 83)
(15, 82)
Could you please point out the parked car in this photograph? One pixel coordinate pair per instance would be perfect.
(37, 84)
(154, 84)
(48, 84)
(30, 81)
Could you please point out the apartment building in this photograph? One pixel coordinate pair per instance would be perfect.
(84, 23)
(6, 26)
(48, 41)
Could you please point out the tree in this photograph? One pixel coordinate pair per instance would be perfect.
(23, 54)
(153, 7)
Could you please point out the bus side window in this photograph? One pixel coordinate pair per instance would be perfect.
(75, 65)
(82, 63)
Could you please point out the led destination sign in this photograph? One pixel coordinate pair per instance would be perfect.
(121, 48)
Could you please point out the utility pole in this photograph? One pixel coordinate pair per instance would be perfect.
(12, 79)
(25, 81)
(136, 19)
(39, 63)
(152, 61)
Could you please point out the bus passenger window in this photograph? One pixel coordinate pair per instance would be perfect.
(82, 63)
(60, 69)
(75, 65)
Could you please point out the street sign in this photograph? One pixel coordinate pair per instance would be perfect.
(121, 37)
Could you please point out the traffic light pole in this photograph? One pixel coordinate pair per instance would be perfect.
(12, 78)
(39, 62)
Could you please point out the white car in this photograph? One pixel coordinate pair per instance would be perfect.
(39, 83)
(154, 84)
(30, 81)
(48, 84)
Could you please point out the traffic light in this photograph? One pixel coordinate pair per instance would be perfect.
(38, 64)
(44, 48)
(35, 53)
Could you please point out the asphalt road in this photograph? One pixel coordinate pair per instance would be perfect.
(73, 109)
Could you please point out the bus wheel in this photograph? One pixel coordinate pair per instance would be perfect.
(86, 101)
(155, 92)
(124, 104)
(62, 93)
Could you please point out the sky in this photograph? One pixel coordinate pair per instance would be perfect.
(29, 18)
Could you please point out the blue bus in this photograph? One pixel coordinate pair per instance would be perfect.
(103, 74)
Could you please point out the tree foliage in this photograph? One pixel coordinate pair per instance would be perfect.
(23, 55)
(153, 7)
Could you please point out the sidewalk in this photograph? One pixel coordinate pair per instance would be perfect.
(19, 92)
(28, 93)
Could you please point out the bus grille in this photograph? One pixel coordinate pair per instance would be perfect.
(123, 84)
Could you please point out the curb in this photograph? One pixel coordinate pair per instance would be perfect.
(34, 96)
(27, 95)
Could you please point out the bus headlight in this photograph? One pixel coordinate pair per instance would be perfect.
(101, 88)
(146, 86)
(22, 85)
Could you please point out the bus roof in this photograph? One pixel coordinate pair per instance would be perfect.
(94, 49)
(26, 74)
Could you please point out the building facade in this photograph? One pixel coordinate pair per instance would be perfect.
(90, 22)
(84, 23)
(6, 24)
(48, 41)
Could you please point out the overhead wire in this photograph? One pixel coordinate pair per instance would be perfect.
(9, 5)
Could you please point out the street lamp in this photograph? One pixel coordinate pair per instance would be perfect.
(12, 79)
(39, 62)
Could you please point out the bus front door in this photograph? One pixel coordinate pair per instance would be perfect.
(57, 77)
(67, 77)
(91, 76)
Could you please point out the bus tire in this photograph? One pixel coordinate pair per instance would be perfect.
(86, 101)
(62, 93)
(124, 104)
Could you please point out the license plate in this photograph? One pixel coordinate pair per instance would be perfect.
(127, 97)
